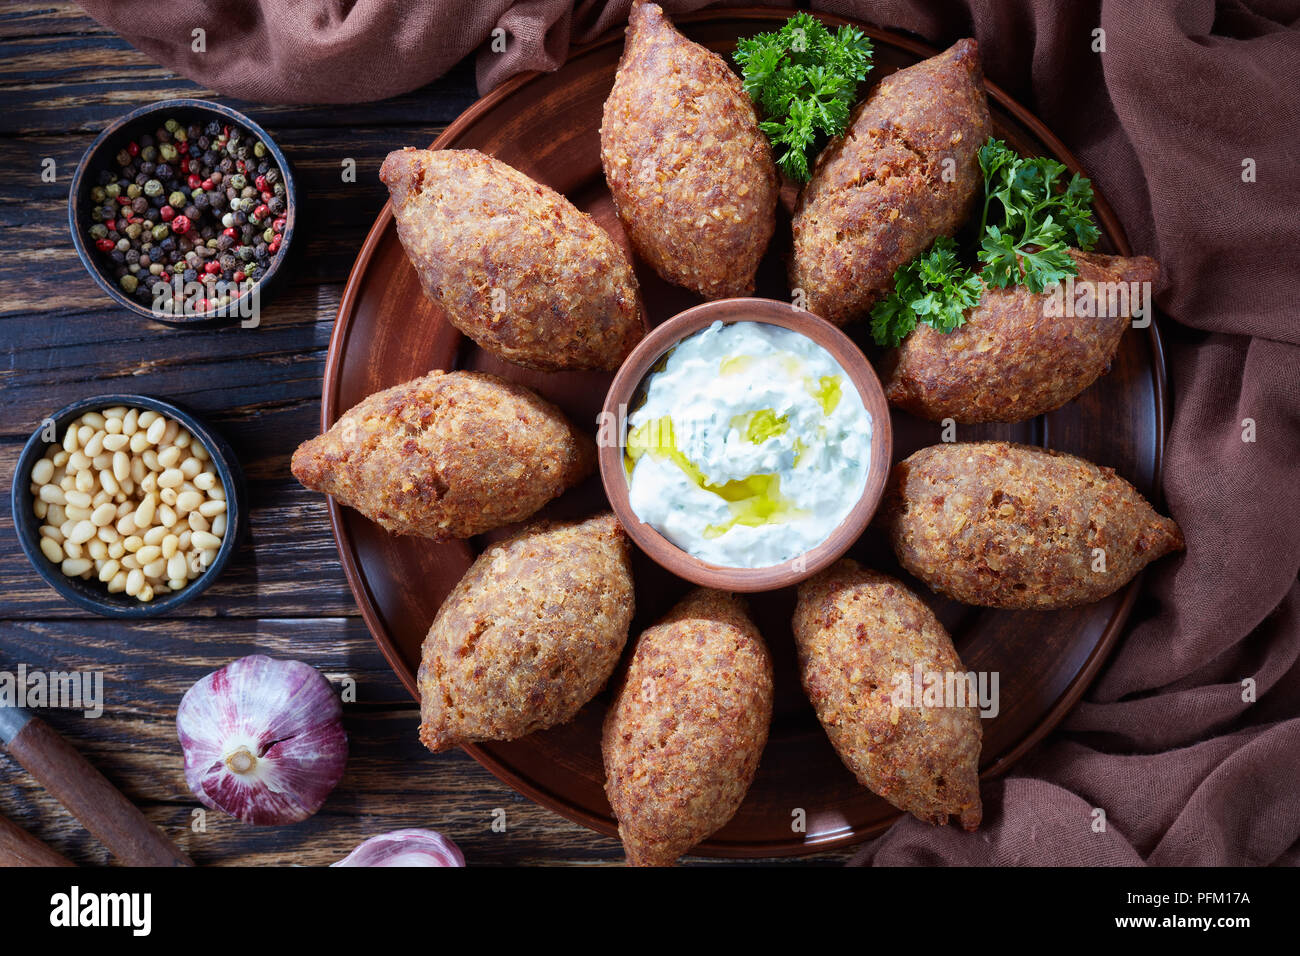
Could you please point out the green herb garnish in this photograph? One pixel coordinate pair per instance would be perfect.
(804, 78)
(1025, 239)
(934, 288)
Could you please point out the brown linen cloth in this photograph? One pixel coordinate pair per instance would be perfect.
(1185, 93)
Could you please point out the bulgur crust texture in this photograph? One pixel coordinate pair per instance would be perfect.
(1004, 525)
(691, 173)
(1012, 360)
(447, 455)
(530, 634)
(858, 633)
(905, 172)
(513, 264)
(683, 738)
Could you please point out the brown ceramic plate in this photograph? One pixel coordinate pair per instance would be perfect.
(548, 126)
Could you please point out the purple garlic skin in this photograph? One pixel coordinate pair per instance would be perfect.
(263, 740)
(405, 848)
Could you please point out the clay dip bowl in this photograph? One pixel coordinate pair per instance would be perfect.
(626, 390)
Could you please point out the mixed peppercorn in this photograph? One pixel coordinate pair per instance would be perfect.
(207, 204)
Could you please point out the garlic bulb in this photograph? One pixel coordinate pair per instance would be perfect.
(405, 848)
(263, 740)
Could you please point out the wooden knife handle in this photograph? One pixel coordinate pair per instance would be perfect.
(102, 809)
(20, 848)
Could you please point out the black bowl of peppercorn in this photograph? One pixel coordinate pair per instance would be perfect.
(183, 212)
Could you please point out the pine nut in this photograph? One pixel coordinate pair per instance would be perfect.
(205, 540)
(76, 567)
(132, 498)
(52, 494)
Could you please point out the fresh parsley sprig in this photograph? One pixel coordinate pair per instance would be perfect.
(1031, 217)
(934, 288)
(804, 79)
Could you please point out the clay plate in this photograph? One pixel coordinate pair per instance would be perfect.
(547, 125)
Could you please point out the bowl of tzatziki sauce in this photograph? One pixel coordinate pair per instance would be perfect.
(744, 444)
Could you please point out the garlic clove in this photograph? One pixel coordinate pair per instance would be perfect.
(412, 847)
(263, 740)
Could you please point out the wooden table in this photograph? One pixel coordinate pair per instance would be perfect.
(62, 79)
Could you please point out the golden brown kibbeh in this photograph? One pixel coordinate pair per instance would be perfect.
(447, 455)
(1014, 358)
(1011, 526)
(513, 264)
(683, 738)
(691, 173)
(859, 634)
(529, 634)
(906, 172)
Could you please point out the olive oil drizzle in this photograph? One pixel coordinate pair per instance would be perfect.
(753, 501)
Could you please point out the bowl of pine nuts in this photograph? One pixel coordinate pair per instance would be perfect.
(127, 505)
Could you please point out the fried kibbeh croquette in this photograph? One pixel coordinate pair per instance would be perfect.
(683, 737)
(905, 172)
(860, 635)
(447, 455)
(513, 264)
(1003, 525)
(528, 636)
(1017, 356)
(691, 173)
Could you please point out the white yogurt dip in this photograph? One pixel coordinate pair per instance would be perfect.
(751, 447)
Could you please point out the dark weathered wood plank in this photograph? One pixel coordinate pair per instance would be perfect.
(391, 781)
